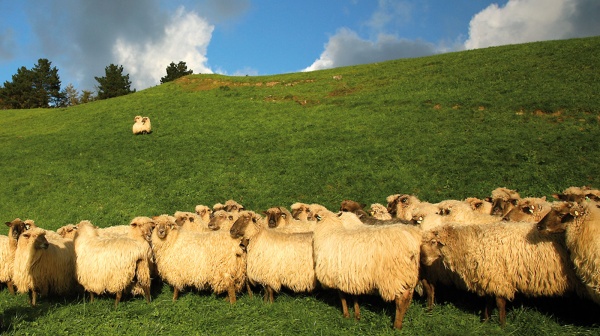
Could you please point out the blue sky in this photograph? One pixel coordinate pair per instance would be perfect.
(261, 37)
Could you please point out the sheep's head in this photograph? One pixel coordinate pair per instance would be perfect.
(137, 119)
(529, 209)
(204, 212)
(503, 200)
(233, 206)
(479, 205)
(144, 225)
(18, 226)
(182, 217)
(36, 236)
(578, 194)
(145, 120)
(277, 216)
(431, 245)
(560, 216)
(379, 211)
(68, 231)
(222, 219)
(164, 224)
(351, 206)
(400, 202)
(302, 211)
(242, 224)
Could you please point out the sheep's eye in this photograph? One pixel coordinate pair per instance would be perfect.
(478, 205)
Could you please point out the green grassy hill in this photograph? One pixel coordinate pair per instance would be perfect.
(455, 125)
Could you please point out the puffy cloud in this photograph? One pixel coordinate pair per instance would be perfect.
(521, 21)
(347, 48)
(185, 38)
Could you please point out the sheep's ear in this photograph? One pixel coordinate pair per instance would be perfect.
(133, 224)
(9, 224)
(488, 199)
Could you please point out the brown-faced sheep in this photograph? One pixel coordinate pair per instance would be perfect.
(137, 125)
(44, 265)
(455, 211)
(281, 219)
(402, 205)
(503, 200)
(365, 259)
(581, 226)
(146, 126)
(479, 205)
(190, 221)
(8, 246)
(198, 259)
(113, 265)
(579, 194)
(499, 260)
(222, 220)
(529, 209)
(275, 259)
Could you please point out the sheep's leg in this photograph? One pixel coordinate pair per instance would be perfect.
(489, 307)
(147, 293)
(249, 289)
(356, 307)
(32, 297)
(91, 297)
(118, 299)
(344, 304)
(430, 293)
(501, 304)
(269, 295)
(231, 294)
(175, 293)
(402, 304)
(11, 287)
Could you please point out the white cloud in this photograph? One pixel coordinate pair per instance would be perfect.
(347, 48)
(186, 38)
(521, 21)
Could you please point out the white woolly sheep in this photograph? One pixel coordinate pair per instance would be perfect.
(137, 125)
(204, 212)
(198, 259)
(222, 220)
(281, 219)
(503, 200)
(579, 194)
(111, 264)
(44, 265)
(146, 126)
(402, 205)
(529, 209)
(8, 246)
(67, 231)
(379, 211)
(275, 258)
(139, 228)
(499, 260)
(581, 226)
(190, 221)
(455, 211)
(366, 259)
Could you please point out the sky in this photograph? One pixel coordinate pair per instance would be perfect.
(265, 37)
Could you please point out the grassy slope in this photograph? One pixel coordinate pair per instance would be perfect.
(447, 126)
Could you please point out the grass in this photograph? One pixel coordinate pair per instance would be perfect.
(454, 125)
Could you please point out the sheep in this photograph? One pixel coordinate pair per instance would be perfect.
(112, 264)
(281, 219)
(204, 212)
(44, 264)
(67, 231)
(222, 220)
(275, 258)
(455, 211)
(8, 246)
(146, 126)
(139, 228)
(581, 226)
(379, 211)
(578, 194)
(190, 221)
(479, 205)
(198, 259)
(137, 125)
(503, 200)
(361, 259)
(499, 260)
(402, 205)
(301, 211)
(529, 209)
(351, 206)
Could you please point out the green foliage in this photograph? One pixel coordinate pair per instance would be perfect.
(455, 125)
(114, 83)
(175, 71)
(38, 87)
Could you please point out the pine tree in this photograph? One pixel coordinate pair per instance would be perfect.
(114, 84)
(175, 71)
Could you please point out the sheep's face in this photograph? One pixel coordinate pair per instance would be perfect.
(302, 212)
(560, 216)
(528, 210)
(204, 212)
(164, 224)
(238, 230)
(182, 218)
(17, 227)
(431, 246)
(275, 217)
(500, 206)
(145, 225)
(137, 119)
(37, 237)
(351, 206)
(221, 218)
(400, 202)
(233, 206)
(480, 206)
(68, 231)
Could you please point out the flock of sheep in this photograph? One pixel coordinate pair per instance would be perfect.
(141, 125)
(497, 247)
